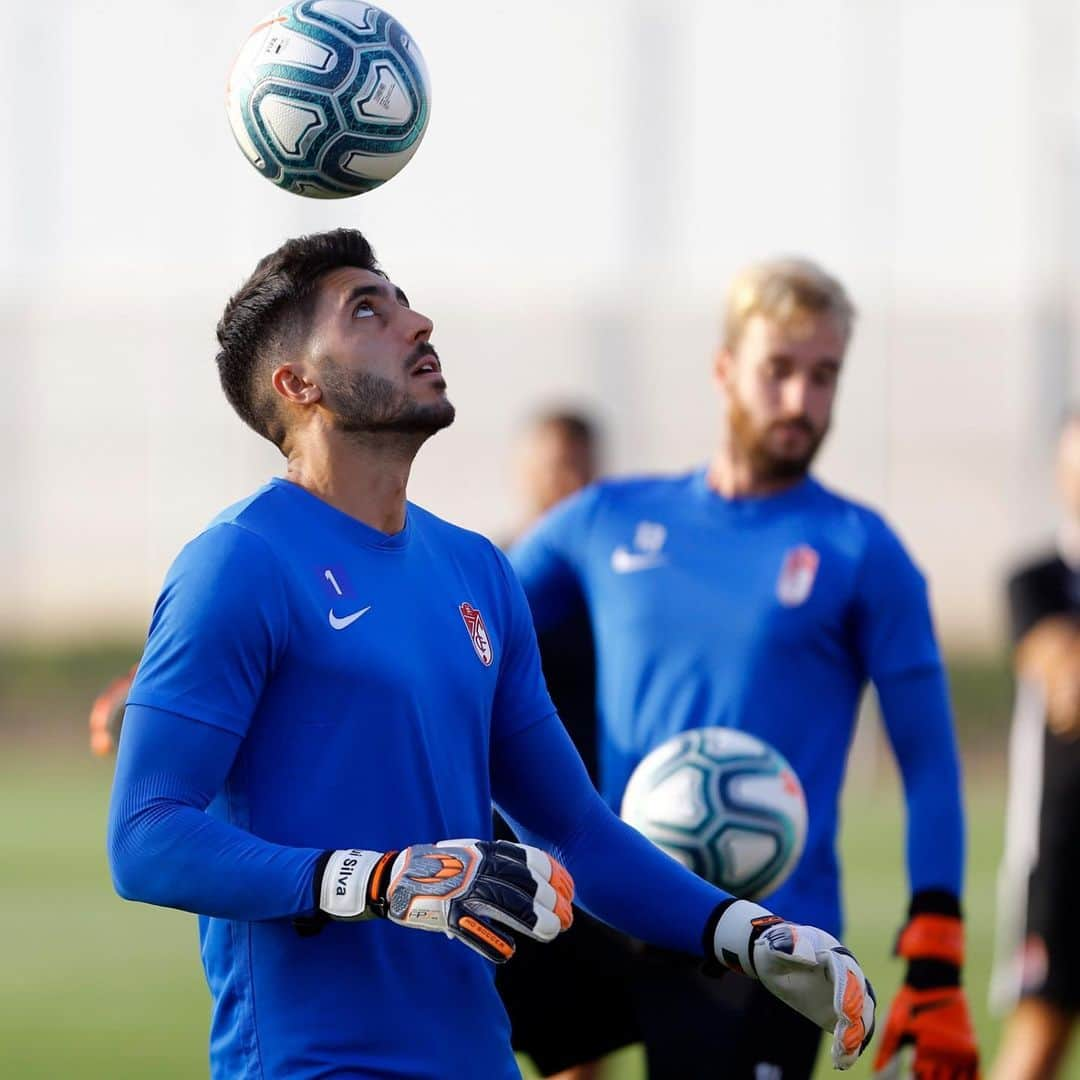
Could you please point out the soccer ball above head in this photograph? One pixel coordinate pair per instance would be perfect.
(328, 98)
(725, 804)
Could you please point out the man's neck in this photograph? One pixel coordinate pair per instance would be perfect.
(363, 477)
(732, 475)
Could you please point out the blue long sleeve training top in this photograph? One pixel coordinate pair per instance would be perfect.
(308, 684)
(765, 614)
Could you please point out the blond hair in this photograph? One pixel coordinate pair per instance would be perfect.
(784, 290)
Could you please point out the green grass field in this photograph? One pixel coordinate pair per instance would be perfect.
(94, 987)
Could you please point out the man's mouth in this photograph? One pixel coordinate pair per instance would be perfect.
(427, 365)
(794, 427)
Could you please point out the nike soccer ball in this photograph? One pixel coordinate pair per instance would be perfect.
(328, 98)
(725, 804)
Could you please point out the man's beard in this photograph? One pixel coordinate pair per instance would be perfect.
(366, 404)
(765, 464)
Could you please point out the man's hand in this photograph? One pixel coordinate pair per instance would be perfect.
(805, 968)
(937, 1023)
(1049, 655)
(930, 1012)
(107, 714)
(466, 889)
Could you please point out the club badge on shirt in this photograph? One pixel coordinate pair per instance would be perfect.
(797, 574)
(478, 635)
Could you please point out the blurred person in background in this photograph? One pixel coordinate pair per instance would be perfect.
(556, 453)
(565, 1025)
(747, 595)
(1037, 966)
(328, 664)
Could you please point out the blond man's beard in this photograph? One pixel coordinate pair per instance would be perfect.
(752, 443)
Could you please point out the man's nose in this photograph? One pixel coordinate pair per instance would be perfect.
(420, 326)
(795, 395)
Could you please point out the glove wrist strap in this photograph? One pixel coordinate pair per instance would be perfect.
(932, 975)
(737, 928)
(934, 902)
(932, 937)
(354, 884)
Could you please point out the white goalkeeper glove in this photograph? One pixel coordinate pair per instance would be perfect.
(466, 889)
(805, 968)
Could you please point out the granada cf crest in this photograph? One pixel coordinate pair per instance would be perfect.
(474, 623)
(797, 575)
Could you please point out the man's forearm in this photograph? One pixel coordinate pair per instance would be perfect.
(619, 876)
(165, 849)
(916, 710)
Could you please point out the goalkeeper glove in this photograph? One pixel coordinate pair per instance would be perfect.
(930, 1011)
(804, 967)
(466, 889)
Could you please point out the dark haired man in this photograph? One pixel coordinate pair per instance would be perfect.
(746, 595)
(335, 682)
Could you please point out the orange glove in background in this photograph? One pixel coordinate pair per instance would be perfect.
(930, 1013)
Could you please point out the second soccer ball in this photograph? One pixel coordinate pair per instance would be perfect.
(725, 804)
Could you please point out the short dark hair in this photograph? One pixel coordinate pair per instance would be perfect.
(266, 312)
(569, 423)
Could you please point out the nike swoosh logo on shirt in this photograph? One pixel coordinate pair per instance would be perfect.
(346, 620)
(630, 562)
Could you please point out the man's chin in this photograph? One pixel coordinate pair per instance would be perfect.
(420, 420)
(440, 415)
(778, 468)
(790, 470)
(790, 460)
(424, 419)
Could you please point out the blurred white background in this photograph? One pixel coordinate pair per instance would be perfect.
(592, 176)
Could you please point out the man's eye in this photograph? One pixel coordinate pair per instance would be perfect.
(364, 310)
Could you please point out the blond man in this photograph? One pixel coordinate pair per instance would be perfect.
(748, 595)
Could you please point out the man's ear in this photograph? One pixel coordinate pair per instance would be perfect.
(290, 382)
(722, 370)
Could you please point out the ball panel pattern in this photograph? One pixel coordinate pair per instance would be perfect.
(328, 98)
(724, 804)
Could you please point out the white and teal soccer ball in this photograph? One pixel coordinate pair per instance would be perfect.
(328, 98)
(725, 804)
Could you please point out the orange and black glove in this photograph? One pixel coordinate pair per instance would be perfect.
(107, 714)
(930, 1012)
